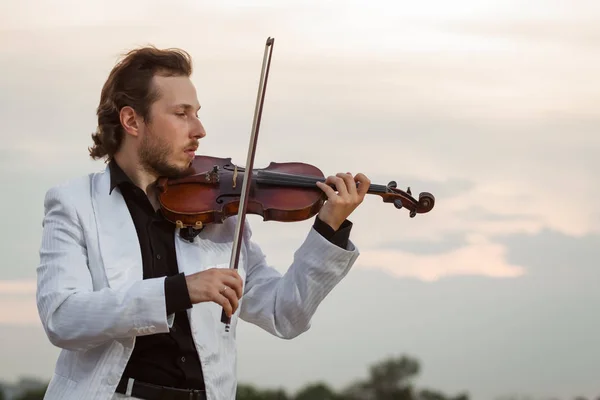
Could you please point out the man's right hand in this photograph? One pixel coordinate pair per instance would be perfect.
(223, 286)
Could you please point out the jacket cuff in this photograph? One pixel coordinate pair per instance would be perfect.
(340, 237)
(177, 296)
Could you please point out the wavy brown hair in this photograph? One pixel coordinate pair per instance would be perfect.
(130, 84)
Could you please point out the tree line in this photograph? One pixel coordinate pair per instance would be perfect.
(389, 379)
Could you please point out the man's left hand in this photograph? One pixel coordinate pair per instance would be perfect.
(340, 205)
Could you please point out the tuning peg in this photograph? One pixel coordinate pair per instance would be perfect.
(392, 184)
(408, 191)
(398, 203)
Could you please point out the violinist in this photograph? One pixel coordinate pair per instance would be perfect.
(133, 301)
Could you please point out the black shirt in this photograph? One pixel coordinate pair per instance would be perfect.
(171, 359)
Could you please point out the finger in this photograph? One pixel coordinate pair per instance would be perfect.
(328, 190)
(235, 283)
(231, 278)
(223, 301)
(232, 273)
(231, 297)
(349, 182)
(340, 185)
(364, 184)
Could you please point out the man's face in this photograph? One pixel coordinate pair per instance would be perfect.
(169, 140)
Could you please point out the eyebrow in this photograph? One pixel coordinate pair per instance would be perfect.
(187, 106)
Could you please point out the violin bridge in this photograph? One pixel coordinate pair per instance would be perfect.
(235, 174)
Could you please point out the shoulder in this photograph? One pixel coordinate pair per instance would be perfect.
(73, 191)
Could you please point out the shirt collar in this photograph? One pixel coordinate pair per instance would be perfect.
(117, 175)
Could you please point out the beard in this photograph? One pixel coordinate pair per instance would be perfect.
(154, 157)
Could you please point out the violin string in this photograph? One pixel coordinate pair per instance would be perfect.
(287, 179)
(282, 178)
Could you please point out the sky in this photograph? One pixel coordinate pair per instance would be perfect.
(492, 106)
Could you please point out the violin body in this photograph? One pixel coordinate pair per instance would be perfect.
(211, 190)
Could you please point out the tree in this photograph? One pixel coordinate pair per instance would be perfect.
(389, 379)
(33, 394)
(316, 391)
(249, 392)
(392, 379)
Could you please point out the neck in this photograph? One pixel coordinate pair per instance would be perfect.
(139, 176)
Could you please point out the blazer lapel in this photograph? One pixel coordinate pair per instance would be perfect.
(118, 241)
(210, 249)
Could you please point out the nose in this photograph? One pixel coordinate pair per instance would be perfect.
(198, 130)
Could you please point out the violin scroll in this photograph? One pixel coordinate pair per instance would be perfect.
(404, 199)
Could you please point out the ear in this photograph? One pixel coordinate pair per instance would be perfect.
(129, 120)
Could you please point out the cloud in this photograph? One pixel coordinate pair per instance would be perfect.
(19, 311)
(479, 256)
(484, 131)
(493, 109)
(20, 287)
(17, 303)
(575, 29)
(551, 254)
(506, 334)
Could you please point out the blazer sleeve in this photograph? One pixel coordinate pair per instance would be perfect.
(284, 305)
(74, 315)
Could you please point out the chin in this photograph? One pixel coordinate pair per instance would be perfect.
(184, 167)
(172, 169)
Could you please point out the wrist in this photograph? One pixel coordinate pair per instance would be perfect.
(190, 288)
(335, 225)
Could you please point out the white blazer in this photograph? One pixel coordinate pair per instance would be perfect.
(93, 302)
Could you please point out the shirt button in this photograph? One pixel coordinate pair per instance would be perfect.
(158, 256)
(182, 359)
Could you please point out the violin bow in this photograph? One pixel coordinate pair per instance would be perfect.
(239, 229)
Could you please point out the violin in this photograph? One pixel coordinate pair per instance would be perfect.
(213, 188)
(211, 191)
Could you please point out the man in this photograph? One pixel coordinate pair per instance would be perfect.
(136, 304)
